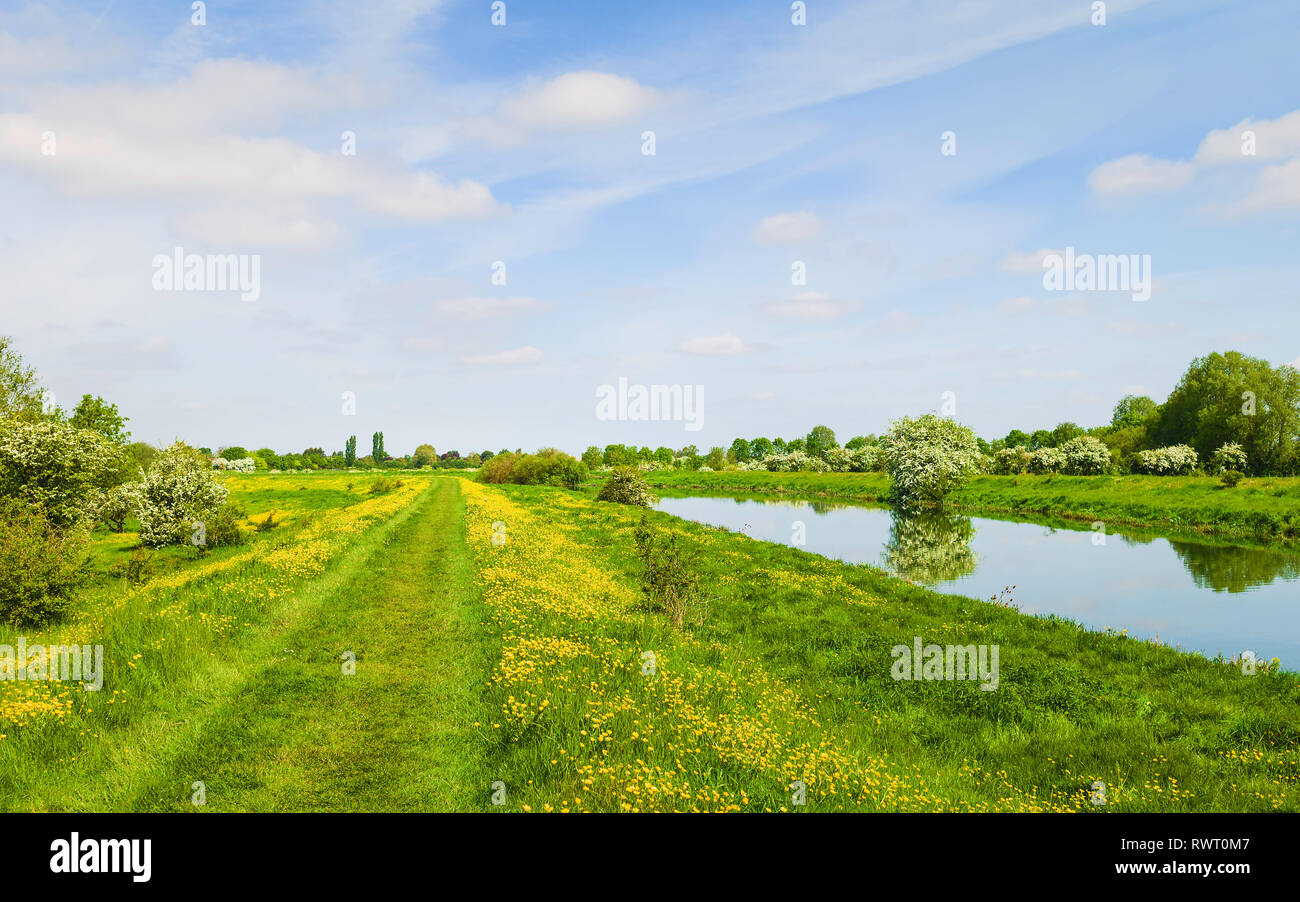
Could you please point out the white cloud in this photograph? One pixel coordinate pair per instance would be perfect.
(811, 306)
(575, 101)
(1139, 174)
(1278, 187)
(717, 344)
(514, 357)
(188, 139)
(1275, 139)
(1018, 262)
(1013, 306)
(487, 308)
(788, 228)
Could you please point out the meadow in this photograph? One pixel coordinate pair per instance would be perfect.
(505, 659)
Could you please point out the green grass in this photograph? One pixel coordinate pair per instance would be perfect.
(1265, 509)
(246, 638)
(1166, 731)
(500, 635)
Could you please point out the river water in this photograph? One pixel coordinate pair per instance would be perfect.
(1194, 595)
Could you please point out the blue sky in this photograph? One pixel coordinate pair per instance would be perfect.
(522, 144)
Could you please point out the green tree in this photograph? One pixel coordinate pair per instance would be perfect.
(350, 452)
(1231, 397)
(98, 415)
(424, 456)
(234, 452)
(740, 451)
(377, 449)
(820, 440)
(593, 458)
(717, 458)
(1064, 432)
(1133, 410)
(760, 447)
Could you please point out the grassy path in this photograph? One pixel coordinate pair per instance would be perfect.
(299, 734)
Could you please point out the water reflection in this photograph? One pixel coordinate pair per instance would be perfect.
(930, 547)
(1235, 569)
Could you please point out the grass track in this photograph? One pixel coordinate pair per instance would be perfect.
(299, 735)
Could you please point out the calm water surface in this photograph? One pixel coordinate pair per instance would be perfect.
(1197, 596)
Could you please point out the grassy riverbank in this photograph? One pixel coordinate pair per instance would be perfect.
(787, 679)
(1264, 509)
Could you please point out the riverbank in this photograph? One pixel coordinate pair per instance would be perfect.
(1265, 510)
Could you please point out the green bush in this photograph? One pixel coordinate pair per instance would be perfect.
(626, 486)
(42, 565)
(1230, 478)
(384, 484)
(670, 579)
(547, 467)
(222, 528)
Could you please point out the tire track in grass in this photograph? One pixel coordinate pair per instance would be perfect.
(397, 735)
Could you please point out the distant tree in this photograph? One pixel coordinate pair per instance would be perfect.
(350, 452)
(664, 455)
(424, 456)
(820, 440)
(98, 415)
(1017, 437)
(859, 441)
(716, 459)
(689, 451)
(593, 457)
(1231, 397)
(741, 450)
(1064, 432)
(1040, 439)
(1133, 410)
(234, 452)
(779, 446)
(377, 448)
(796, 444)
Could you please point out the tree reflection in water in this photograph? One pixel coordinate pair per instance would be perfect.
(930, 547)
(1235, 569)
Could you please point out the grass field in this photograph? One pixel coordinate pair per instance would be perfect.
(503, 652)
(1266, 509)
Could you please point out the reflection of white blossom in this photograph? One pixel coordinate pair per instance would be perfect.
(930, 547)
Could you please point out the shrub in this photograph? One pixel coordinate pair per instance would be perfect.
(42, 564)
(866, 459)
(270, 522)
(795, 462)
(1047, 460)
(497, 470)
(118, 504)
(1011, 461)
(1229, 456)
(179, 490)
(1174, 460)
(1230, 478)
(1086, 455)
(840, 460)
(547, 467)
(626, 486)
(222, 528)
(384, 484)
(927, 457)
(669, 579)
(240, 465)
(58, 467)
